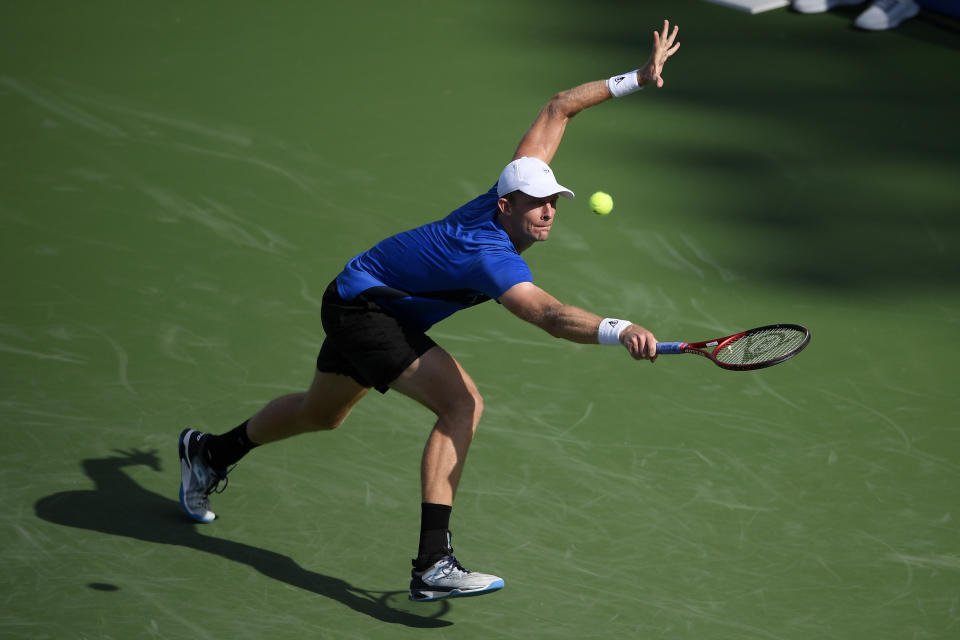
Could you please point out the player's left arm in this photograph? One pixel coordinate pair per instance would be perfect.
(544, 136)
(529, 302)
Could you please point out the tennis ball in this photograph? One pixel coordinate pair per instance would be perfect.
(601, 203)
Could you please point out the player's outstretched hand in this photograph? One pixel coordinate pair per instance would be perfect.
(664, 46)
(639, 342)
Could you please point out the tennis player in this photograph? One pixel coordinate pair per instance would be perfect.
(376, 311)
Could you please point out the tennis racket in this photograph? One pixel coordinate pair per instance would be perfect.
(747, 350)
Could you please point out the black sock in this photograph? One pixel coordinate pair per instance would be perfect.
(434, 534)
(226, 449)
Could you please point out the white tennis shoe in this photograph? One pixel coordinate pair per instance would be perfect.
(197, 479)
(886, 14)
(446, 578)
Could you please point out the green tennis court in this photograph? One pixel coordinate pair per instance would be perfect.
(180, 181)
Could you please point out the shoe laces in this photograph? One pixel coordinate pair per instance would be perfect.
(215, 481)
(451, 564)
(220, 482)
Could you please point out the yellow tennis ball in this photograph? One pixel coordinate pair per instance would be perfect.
(601, 203)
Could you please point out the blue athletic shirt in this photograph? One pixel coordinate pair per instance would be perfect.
(428, 273)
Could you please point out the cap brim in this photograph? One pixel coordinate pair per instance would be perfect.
(557, 189)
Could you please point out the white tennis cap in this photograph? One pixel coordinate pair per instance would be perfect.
(533, 176)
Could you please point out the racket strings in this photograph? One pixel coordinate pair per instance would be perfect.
(761, 346)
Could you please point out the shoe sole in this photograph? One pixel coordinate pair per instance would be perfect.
(185, 470)
(429, 596)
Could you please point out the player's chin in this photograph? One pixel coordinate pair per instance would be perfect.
(541, 233)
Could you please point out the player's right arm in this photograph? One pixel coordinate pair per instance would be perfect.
(529, 302)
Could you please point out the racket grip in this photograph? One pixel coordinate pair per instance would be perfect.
(670, 347)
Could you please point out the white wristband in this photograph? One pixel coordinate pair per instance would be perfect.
(609, 331)
(623, 84)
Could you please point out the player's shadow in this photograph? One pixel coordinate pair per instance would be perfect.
(119, 506)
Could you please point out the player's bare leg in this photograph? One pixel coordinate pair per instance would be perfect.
(322, 407)
(437, 381)
(205, 459)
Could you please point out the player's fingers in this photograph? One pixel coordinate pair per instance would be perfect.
(650, 346)
(640, 350)
(665, 39)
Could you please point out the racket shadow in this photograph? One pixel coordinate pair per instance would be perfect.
(121, 507)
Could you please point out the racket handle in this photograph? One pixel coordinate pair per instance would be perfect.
(670, 347)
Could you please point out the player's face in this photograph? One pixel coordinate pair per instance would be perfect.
(529, 219)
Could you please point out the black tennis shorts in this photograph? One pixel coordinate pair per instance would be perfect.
(365, 341)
